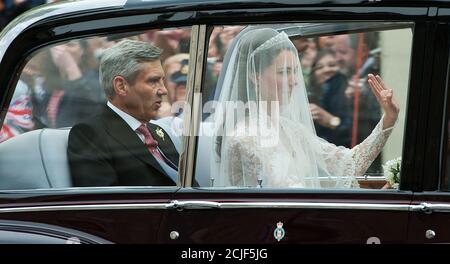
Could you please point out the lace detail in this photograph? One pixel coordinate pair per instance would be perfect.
(249, 161)
(358, 159)
(246, 161)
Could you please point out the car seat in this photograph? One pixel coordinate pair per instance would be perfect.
(35, 160)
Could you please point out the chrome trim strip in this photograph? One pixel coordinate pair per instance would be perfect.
(181, 205)
(370, 178)
(82, 190)
(85, 207)
(199, 204)
(340, 206)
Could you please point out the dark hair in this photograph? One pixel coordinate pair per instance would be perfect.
(319, 56)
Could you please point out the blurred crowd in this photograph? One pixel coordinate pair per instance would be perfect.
(335, 70)
(59, 85)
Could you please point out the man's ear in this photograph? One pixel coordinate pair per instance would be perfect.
(120, 86)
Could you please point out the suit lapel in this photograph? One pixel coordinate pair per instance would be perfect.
(117, 128)
(165, 143)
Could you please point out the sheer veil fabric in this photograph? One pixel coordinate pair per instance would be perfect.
(263, 128)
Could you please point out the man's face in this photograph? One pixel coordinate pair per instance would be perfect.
(144, 96)
(345, 55)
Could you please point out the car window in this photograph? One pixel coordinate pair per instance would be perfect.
(323, 125)
(61, 86)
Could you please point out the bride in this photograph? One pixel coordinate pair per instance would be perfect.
(263, 129)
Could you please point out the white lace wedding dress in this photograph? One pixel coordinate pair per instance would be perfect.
(261, 70)
(281, 170)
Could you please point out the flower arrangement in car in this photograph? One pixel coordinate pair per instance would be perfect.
(392, 170)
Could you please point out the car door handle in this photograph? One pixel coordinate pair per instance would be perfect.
(192, 205)
(429, 208)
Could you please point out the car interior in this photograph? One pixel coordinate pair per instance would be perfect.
(42, 163)
(43, 152)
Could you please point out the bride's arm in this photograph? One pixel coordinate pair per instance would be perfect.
(355, 161)
(245, 162)
(365, 153)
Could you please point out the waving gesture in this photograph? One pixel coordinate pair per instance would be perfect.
(385, 98)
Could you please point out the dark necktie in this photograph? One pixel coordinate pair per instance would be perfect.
(150, 143)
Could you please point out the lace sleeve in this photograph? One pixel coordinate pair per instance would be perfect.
(245, 165)
(365, 153)
(355, 161)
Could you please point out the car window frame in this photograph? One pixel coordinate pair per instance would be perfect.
(71, 25)
(410, 182)
(383, 26)
(443, 184)
(79, 25)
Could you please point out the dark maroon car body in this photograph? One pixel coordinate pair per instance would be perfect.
(208, 215)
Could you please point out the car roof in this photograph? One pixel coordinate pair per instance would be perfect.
(66, 9)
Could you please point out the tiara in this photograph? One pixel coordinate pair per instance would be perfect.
(270, 42)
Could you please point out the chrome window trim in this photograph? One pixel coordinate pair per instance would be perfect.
(191, 121)
(91, 190)
(84, 207)
(306, 205)
(181, 205)
(370, 178)
(183, 162)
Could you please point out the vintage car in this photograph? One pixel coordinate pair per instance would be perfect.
(406, 42)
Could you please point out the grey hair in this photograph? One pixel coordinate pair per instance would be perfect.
(125, 59)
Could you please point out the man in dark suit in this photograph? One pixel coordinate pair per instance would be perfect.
(119, 146)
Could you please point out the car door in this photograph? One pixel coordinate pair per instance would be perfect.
(208, 214)
(259, 214)
(431, 201)
(38, 203)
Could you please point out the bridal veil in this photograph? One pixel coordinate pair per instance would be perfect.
(263, 129)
